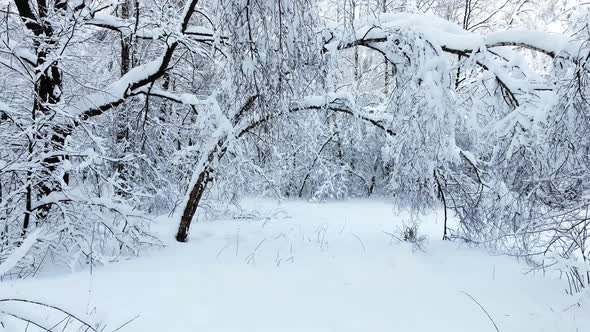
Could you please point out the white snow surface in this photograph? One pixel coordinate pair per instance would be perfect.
(299, 266)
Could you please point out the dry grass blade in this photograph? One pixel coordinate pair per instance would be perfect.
(483, 309)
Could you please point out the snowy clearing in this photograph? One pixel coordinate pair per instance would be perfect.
(298, 266)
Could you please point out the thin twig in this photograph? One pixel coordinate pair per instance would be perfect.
(126, 323)
(51, 307)
(484, 310)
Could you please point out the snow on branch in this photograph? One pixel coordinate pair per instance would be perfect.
(448, 36)
(111, 22)
(136, 79)
(99, 102)
(19, 52)
(386, 33)
(188, 99)
(4, 108)
(336, 102)
(341, 103)
(12, 260)
(127, 27)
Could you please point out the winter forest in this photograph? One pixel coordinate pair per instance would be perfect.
(291, 144)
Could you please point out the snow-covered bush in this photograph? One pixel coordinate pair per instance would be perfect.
(410, 232)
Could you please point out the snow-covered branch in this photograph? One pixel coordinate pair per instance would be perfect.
(116, 93)
(127, 27)
(137, 78)
(385, 33)
(448, 36)
(332, 102)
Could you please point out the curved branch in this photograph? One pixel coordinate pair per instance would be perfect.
(453, 38)
(335, 105)
(86, 325)
(378, 36)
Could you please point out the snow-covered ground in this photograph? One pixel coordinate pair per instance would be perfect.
(298, 266)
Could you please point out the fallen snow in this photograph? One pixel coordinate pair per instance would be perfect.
(297, 266)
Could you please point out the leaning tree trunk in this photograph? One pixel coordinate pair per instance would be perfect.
(208, 166)
(192, 203)
(198, 187)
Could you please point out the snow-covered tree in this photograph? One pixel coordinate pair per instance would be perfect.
(115, 111)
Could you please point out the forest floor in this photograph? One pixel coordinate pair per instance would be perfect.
(298, 266)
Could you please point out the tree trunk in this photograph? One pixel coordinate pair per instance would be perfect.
(386, 74)
(191, 206)
(48, 89)
(441, 193)
(121, 119)
(125, 40)
(206, 176)
(357, 72)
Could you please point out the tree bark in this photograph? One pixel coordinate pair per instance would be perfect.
(386, 73)
(191, 206)
(206, 176)
(121, 118)
(48, 88)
